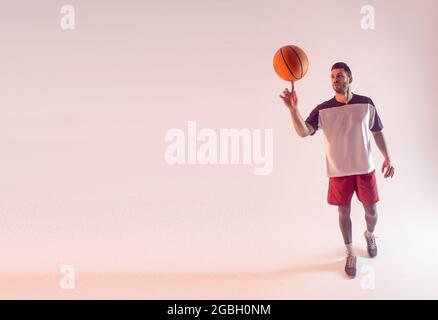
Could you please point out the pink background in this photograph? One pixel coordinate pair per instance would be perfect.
(83, 180)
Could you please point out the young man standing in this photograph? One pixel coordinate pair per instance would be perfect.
(347, 121)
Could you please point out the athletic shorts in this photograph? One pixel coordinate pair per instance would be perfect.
(341, 189)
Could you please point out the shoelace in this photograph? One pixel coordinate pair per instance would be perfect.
(350, 260)
(371, 241)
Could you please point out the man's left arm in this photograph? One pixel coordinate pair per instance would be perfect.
(381, 144)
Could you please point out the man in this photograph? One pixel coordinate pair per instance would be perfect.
(347, 121)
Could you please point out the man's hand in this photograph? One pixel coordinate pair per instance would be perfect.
(389, 168)
(290, 98)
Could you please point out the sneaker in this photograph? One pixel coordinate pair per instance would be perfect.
(371, 245)
(350, 266)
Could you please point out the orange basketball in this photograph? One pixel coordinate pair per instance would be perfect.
(290, 63)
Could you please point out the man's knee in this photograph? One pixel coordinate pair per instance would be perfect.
(370, 209)
(344, 211)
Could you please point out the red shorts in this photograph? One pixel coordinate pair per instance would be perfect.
(341, 189)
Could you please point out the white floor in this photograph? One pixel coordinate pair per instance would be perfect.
(406, 268)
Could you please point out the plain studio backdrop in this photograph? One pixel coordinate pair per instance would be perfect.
(84, 114)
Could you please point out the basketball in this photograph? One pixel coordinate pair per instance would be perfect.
(290, 63)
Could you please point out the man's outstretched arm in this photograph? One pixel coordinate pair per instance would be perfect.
(302, 128)
(290, 100)
(379, 138)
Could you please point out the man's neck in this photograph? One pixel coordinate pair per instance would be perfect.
(344, 97)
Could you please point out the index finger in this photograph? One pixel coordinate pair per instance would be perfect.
(292, 86)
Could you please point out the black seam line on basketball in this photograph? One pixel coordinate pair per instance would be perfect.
(301, 64)
(281, 51)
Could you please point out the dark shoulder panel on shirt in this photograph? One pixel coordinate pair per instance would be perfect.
(361, 99)
(313, 117)
(327, 104)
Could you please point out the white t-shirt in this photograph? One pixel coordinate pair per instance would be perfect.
(347, 134)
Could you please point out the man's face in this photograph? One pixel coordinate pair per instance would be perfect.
(340, 80)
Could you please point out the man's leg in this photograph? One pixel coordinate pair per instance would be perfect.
(370, 216)
(371, 219)
(346, 229)
(341, 190)
(345, 223)
(369, 196)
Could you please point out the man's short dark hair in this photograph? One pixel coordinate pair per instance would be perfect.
(342, 65)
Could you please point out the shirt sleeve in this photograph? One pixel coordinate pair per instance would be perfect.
(313, 120)
(376, 124)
